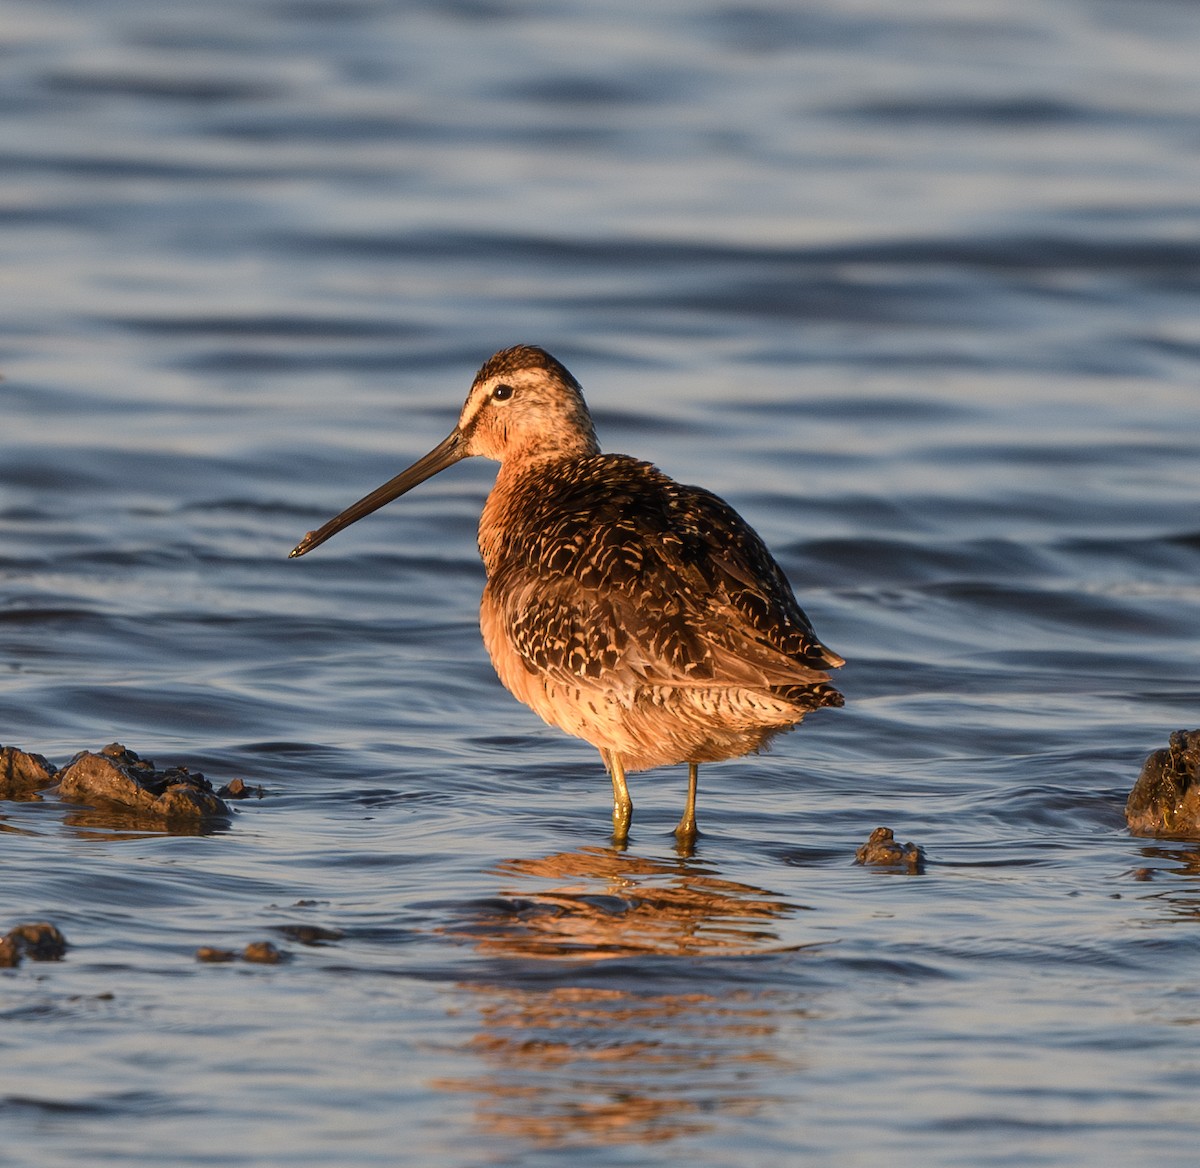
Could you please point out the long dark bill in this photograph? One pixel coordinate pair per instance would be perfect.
(444, 454)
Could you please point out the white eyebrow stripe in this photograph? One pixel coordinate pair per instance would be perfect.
(475, 402)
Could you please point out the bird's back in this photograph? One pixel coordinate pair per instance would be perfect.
(610, 581)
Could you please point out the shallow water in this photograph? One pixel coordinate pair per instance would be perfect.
(915, 289)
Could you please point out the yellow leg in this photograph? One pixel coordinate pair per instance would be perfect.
(686, 832)
(622, 804)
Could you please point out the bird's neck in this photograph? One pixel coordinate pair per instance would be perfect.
(521, 487)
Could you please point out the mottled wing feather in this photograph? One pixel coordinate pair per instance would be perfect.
(628, 576)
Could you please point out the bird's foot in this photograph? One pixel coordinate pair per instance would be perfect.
(621, 820)
(686, 835)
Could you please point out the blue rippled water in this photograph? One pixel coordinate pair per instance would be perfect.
(915, 287)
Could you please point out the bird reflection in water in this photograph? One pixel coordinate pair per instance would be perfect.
(617, 905)
(594, 1057)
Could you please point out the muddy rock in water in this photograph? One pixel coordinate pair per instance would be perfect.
(240, 789)
(314, 935)
(881, 850)
(22, 773)
(213, 955)
(40, 941)
(1165, 800)
(264, 953)
(119, 776)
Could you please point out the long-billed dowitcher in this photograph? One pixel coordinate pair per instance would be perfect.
(643, 616)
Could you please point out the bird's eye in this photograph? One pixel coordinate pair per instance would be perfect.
(502, 393)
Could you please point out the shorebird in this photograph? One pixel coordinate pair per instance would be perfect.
(641, 615)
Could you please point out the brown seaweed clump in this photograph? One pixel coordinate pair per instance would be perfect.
(882, 851)
(119, 776)
(40, 941)
(1165, 800)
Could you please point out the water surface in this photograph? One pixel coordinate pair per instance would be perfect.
(915, 289)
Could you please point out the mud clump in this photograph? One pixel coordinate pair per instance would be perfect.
(240, 789)
(117, 782)
(314, 935)
(264, 953)
(118, 776)
(257, 952)
(882, 851)
(213, 955)
(1165, 800)
(23, 774)
(41, 941)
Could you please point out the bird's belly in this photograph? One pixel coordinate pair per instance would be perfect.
(646, 725)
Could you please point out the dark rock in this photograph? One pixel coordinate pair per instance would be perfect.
(40, 941)
(882, 850)
(1165, 800)
(22, 773)
(264, 953)
(311, 934)
(118, 776)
